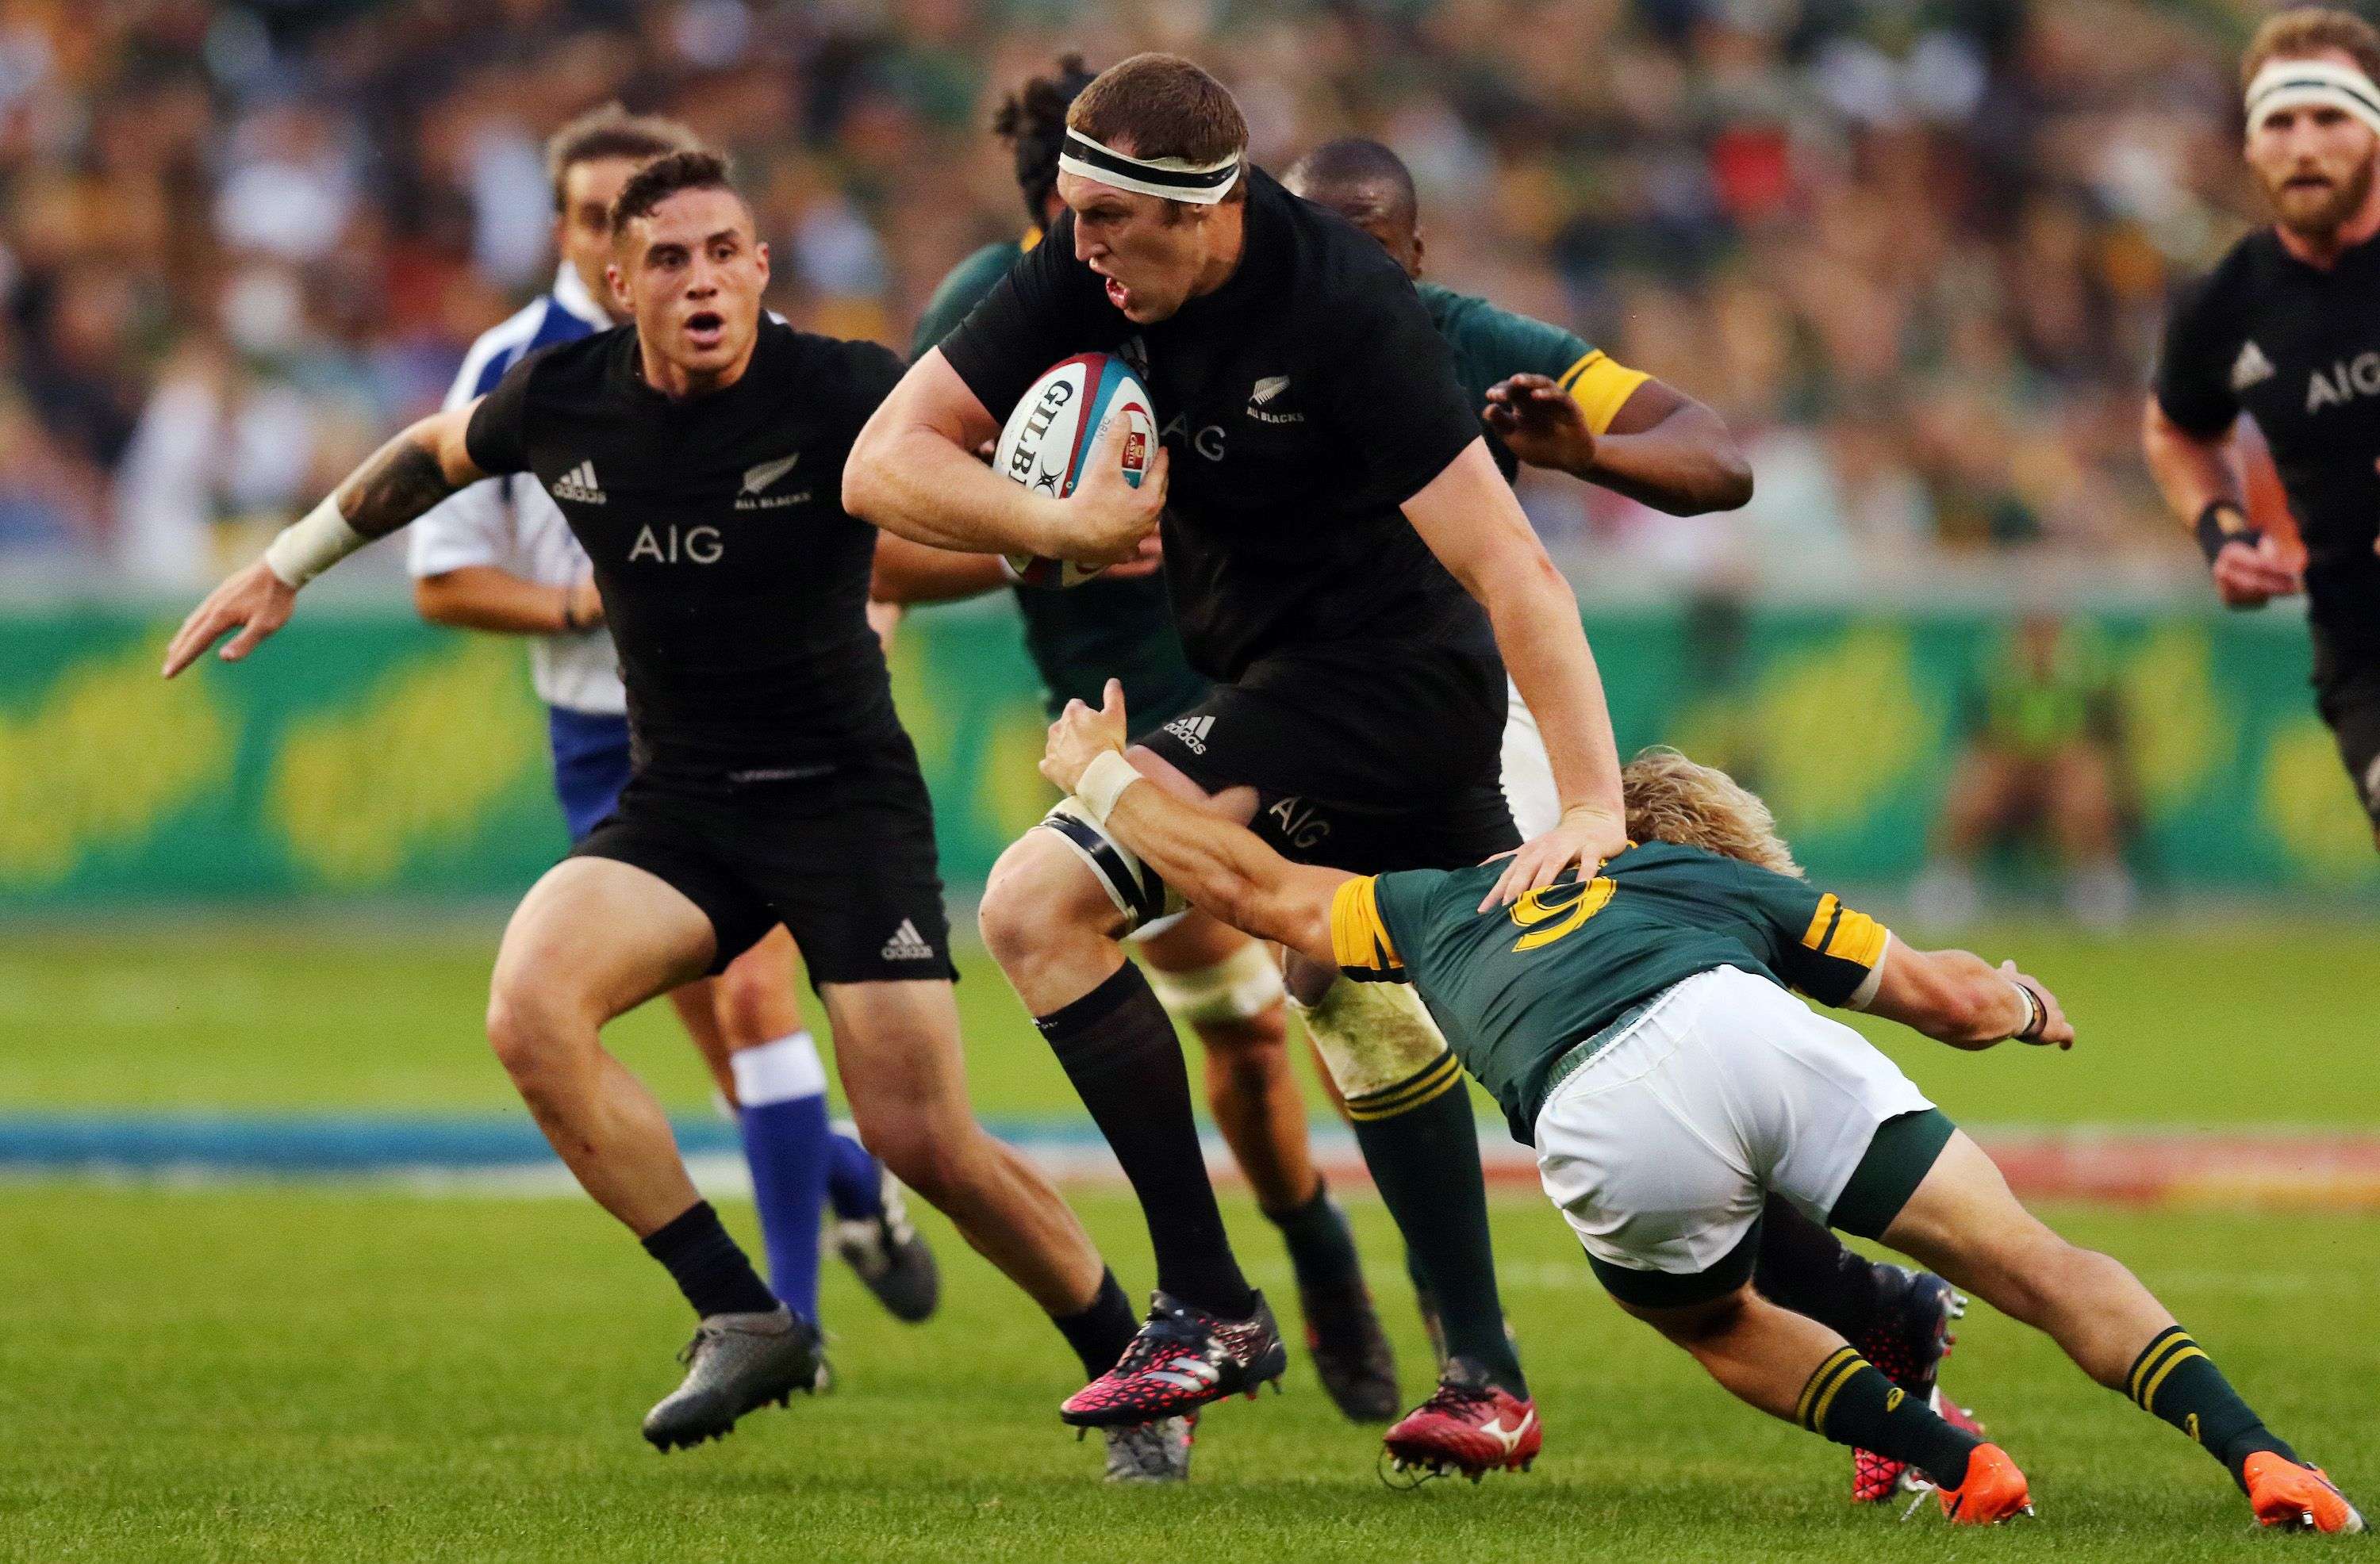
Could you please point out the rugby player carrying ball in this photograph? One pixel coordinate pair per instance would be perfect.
(1334, 527)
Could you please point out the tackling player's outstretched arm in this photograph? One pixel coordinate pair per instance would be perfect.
(914, 471)
(1958, 998)
(1221, 867)
(1471, 521)
(397, 483)
(1660, 447)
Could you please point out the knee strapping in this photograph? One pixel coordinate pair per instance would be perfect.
(1241, 986)
(1138, 893)
(1380, 1044)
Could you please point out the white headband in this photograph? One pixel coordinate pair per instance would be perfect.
(2297, 84)
(1172, 178)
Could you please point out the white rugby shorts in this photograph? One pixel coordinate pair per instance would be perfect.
(1661, 1149)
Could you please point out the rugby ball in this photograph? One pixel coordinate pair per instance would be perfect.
(1050, 435)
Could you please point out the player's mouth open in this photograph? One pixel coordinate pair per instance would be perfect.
(1118, 295)
(706, 326)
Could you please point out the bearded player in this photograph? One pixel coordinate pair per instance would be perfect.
(1632, 1020)
(1344, 560)
(696, 454)
(1552, 401)
(2287, 329)
(1211, 977)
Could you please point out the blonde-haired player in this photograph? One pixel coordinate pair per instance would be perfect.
(1634, 1023)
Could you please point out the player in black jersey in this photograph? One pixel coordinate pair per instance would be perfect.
(2287, 329)
(1334, 525)
(1225, 987)
(697, 455)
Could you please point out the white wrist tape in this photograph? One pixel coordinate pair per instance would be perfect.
(2033, 1014)
(313, 543)
(1103, 782)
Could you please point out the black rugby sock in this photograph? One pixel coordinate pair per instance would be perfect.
(2175, 1380)
(1102, 1330)
(1804, 1268)
(1117, 1047)
(707, 1265)
(1423, 1151)
(1322, 1244)
(1851, 1401)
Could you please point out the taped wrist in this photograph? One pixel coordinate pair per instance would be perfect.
(1103, 782)
(2223, 523)
(313, 543)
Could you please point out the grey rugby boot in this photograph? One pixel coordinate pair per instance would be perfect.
(735, 1363)
(1150, 1453)
(890, 1256)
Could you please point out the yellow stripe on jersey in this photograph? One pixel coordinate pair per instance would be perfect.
(1359, 941)
(1822, 922)
(1857, 938)
(1601, 387)
(1032, 237)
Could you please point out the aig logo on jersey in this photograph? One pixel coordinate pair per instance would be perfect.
(759, 481)
(673, 544)
(2345, 380)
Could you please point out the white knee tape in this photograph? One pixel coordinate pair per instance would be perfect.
(1132, 885)
(1242, 986)
(1372, 1035)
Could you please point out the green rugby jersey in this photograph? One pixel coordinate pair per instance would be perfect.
(1492, 345)
(1517, 987)
(1082, 636)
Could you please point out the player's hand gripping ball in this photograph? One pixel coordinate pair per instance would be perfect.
(1052, 434)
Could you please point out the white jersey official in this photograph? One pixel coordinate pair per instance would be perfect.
(512, 522)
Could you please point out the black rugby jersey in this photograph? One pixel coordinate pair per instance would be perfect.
(1305, 401)
(2299, 348)
(734, 582)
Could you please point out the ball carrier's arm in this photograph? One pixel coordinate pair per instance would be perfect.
(914, 471)
(395, 484)
(1471, 521)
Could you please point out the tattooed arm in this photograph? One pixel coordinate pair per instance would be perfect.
(395, 484)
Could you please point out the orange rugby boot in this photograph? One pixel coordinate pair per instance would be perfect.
(1993, 1490)
(2297, 1498)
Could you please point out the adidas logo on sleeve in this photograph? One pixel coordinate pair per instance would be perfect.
(907, 944)
(1192, 732)
(579, 484)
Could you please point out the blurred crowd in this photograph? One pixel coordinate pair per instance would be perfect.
(1914, 250)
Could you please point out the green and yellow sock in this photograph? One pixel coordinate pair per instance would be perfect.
(1850, 1400)
(2174, 1378)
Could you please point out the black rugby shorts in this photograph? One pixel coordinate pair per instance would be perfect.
(845, 861)
(1364, 758)
(2347, 692)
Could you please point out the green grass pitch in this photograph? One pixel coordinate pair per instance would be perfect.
(309, 1374)
(291, 1374)
(2181, 1024)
